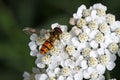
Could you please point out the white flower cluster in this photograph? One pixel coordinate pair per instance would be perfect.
(85, 52)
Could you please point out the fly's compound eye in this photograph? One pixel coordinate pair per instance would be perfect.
(58, 30)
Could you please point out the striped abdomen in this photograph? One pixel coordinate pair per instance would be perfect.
(48, 44)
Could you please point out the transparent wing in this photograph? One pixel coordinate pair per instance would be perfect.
(29, 30)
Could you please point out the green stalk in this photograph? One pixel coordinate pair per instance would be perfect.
(107, 74)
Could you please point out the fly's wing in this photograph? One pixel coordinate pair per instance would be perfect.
(29, 30)
(42, 34)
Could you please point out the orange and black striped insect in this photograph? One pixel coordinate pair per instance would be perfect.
(49, 43)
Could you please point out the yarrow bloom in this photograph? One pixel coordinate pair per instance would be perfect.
(84, 52)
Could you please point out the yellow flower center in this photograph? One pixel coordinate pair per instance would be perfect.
(83, 37)
(81, 23)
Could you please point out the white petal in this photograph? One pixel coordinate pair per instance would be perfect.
(113, 57)
(88, 19)
(100, 51)
(75, 16)
(75, 31)
(81, 57)
(115, 25)
(34, 52)
(61, 78)
(93, 54)
(38, 60)
(83, 45)
(69, 78)
(37, 76)
(32, 45)
(52, 65)
(43, 77)
(63, 28)
(101, 77)
(86, 30)
(111, 65)
(82, 7)
(94, 44)
(54, 58)
(100, 68)
(76, 55)
(108, 39)
(99, 6)
(68, 62)
(33, 37)
(50, 73)
(84, 64)
(40, 65)
(93, 33)
(75, 41)
(26, 74)
(91, 69)
(62, 63)
(78, 76)
(114, 38)
(78, 62)
(35, 70)
(54, 25)
(101, 20)
(79, 11)
(57, 70)
(86, 75)
(93, 13)
(63, 56)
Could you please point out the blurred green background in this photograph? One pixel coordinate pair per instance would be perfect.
(17, 14)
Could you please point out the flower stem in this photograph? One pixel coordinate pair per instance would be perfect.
(107, 75)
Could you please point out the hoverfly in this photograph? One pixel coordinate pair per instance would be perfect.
(49, 43)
